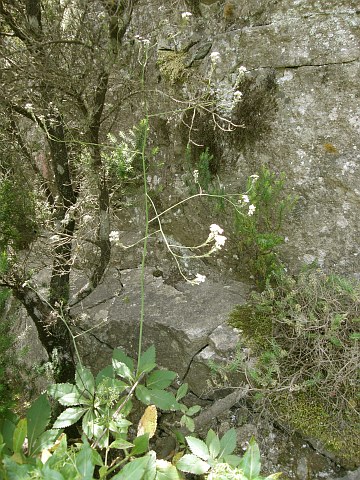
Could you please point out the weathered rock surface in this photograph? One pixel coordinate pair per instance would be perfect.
(178, 321)
(310, 126)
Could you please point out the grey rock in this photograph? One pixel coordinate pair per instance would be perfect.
(178, 322)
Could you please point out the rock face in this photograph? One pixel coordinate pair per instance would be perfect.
(303, 57)
(181, 323)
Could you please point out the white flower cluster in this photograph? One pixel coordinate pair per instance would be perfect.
(142, 40)
(114, 236)
(215, 58)
(216, 236)
(186, 15)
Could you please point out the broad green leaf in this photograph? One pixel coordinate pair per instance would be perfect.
(192, 464)
(38, 417)
(213, 443)
(198, 447)
(59, 390)
(232, 460)
(187, 422)
(160, 379)
(121, 444)
(133, 470)
(107, 372)
(162, 399)
(51, 474)
(7, 430)
(92, 429)
(84, 380)
(141, 445)
(45, 440)
(166, 471)
(193, 410)
(150, 472)
(122, 370)
(120, 356)
(182, 391)
(19, 435)
(147, 361)
(250, 462)
(84, 462)
(15, 471)
(227, 443)
(69, 417)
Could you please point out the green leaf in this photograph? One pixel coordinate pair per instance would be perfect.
(51, 474)
(122, 370)
(121, 444)
(232, 460)
(120, 356)
(38, 417)
(45, 440)
(8, 426)
(84, 380)
(141, 445)
(160, 379)
(228, 443)
(162, 399)
(213, 443)
(147, 361)
(198, 447)
(92, 429)
(187, 422)
(182, 391)
(69, 417)
(250, 462)
(15, 471)
(193, 410)
(133, 470)
(192, 464)
(84, 462)
(166, 471)
(107, 372)
(58, 390)
(19, 435)
(150, 472)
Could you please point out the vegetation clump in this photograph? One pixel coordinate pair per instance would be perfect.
(304, 331)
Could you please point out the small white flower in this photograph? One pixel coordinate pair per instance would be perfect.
(196, 176)
(199, 279)
(245, 199)
(219, 241)
(252, 209)
(215, 57)
(29, 106)
(242, 70)
(186, 15)
(254, 177)
(114, 236)
(215, 229)
(237, 96)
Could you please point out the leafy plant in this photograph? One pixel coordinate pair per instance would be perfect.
(29, 450)
(215, 458)
(259, 232)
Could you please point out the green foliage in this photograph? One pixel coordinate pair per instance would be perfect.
(124, 156)
(7, 358)
(259, 232)
(304, 331)
(102, 404)
(17, 215)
